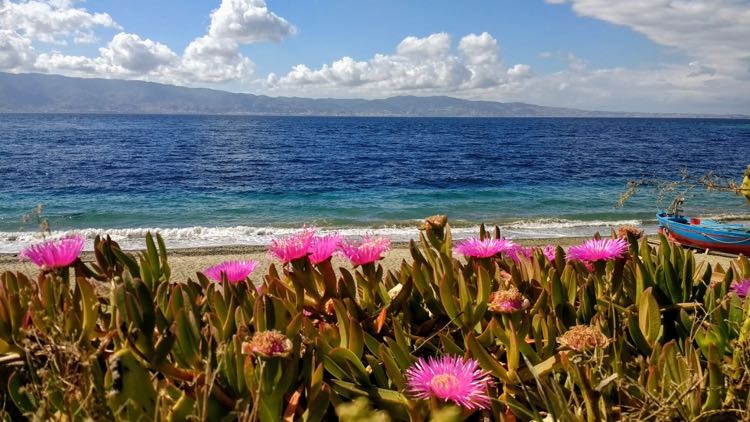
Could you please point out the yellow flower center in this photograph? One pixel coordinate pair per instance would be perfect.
(443, 382)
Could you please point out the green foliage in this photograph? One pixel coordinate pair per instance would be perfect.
(118, 339)
(745, 187)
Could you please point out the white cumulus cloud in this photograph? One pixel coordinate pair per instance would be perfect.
(433, 46)
(419, 64)
(248, 21)
(127, 55)
(519, 71)
(479, 49)
(208, 59)
(69, 65)
(16, 52)
(212, 58)
(52, 21)
(716, 32)
(133, 54)
(215, 57)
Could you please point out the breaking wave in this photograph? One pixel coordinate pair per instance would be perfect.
(201, 236)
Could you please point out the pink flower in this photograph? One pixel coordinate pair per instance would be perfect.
(549, 252)
(486, 248)
(450, 378)
(741, 288)
(598, 250)
(292, 247)
(323, 247)
(517, 251)
(370, 249)
(234, 271)
(54, 254)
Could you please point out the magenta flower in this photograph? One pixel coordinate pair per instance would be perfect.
(549, 252)
(54, 254)
(292, 247)
(486, 248)
(450, 378)
(369, 250)
(741, 288)
(234, 271)
(517, 251)
(323, 247)
(598, 250)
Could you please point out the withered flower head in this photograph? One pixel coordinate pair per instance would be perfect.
(435, 222)
(268, 344)
(330, 309)
(507, 301)
(624, 229)
(582, 337)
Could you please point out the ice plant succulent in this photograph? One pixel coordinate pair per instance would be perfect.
(292, 247)
(54, 254)
(517, 251)
(598, 250)
(369, 250)
(450, 379)
(741, 288)
(582, 337)
(476, 248)
(549, 252)
(507, 301)
(624, 229)
(268, 344)
(234, 271)
(323, 247)
(330, 307)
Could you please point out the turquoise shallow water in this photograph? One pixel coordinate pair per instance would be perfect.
(224, 180)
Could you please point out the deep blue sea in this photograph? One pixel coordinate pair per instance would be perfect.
(209, 180)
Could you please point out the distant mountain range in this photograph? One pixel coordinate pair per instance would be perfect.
(40, 93)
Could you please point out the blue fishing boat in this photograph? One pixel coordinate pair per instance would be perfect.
(704, 234)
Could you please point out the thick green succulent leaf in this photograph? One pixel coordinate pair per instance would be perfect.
(394, 371)
(649, 317)
(90, 308)
(486, 360)
(378, 395)
(345, 358)
(131, 394)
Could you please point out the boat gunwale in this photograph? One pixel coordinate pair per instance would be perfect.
(665, 220)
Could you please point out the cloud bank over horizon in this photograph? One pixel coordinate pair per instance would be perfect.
(47, 36)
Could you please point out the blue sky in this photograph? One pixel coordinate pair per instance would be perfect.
(331, 29)
(658, 55)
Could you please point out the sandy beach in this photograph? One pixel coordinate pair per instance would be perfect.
(187, 261)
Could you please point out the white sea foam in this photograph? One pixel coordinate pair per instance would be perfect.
(191, 237)
(726, 217)
(558, 228)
